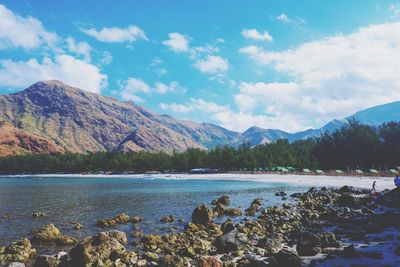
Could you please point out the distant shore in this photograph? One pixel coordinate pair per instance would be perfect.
(306, 180)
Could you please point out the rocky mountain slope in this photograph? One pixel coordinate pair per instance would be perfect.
(15, 141)
(79, 121)
(52, 117)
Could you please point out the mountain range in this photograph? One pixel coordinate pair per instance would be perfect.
(52, 117)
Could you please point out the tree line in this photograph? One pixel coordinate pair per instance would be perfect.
(354, 146)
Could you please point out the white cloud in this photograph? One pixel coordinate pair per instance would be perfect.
(172, 87)
(255, 35)
(395, 9)
(117, 35)
(66, 68)
(79, 48)
(106, 58)
(130, 89)
(135, 85)
(212, 64)
(177, 42)
(23, 32)
(329, 78)
(285, 19)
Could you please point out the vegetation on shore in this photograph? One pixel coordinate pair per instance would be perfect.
(354, 146)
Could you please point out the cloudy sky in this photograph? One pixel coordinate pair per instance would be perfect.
(282, 64)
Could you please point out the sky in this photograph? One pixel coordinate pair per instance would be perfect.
(289, 65)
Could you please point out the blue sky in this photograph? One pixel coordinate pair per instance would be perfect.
(290, 65)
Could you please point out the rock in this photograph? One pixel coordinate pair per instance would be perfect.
(251, 261)
(121, 218)
(233, 212)
(227, 226)
(251, 211)
(397, 251)
(151, 256)
(50, 233)
(219, 209)
(347, 200)
(57, 260)
(202, 215)
(257, 201)
(287, 257)
(39, 214)
(77, 226)
(168, 219)
(224, 200)
(136, 219)
(272, 245)
(308, 244)
(329, 240)
(210, 261)
(16, 264)
(17, 251)
(231, 241)
(392, 198)
(280, 194)
(349, 252)
(98, 248)
(171, 261)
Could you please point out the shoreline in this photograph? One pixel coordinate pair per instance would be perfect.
(341, 227)
(364, 182)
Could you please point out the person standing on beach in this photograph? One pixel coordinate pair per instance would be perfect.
(373, 191)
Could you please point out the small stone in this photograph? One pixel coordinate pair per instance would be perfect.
(210, 261)
(151, 256)
(168, 219)
(39, 214)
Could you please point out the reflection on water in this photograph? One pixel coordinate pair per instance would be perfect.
(86, 200)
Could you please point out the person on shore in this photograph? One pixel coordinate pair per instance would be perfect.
(373, 191)
(397, 181)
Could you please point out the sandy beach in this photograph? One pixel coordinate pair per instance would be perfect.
(301, 180)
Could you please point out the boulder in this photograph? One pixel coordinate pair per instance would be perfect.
(227, 226)
(233, 212)
(231, 241)
(349, 252)
(328, 239)
(251, 261)
(202, 215)
(121, 218)
(168, 219)
(280, 194)
(17, 251)
(150, 256)
(98, 248)
(50, 233)
(308, 244)
(210, 261)
(136, 219)
(392, 198)
(257, 201)
(347, 200)
(59, 259)
(224, 200)
(287, 257)
(271, 244)
(171, 261)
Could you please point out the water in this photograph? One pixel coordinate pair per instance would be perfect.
(85, 200)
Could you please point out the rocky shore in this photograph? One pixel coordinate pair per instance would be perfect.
(321, 227)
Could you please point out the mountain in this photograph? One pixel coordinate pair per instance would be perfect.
(379, 114)
(78, 121)
(372, 116)
(15, 141)
(52, 117)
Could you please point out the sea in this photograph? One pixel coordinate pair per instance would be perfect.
(69, 199)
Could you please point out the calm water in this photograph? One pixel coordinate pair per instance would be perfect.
(88, 199)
